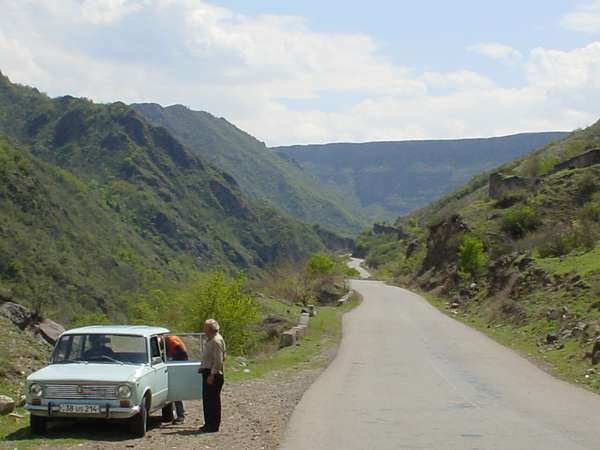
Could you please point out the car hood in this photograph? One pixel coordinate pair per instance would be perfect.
(103, 373)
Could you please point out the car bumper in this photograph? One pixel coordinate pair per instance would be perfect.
(106, 412)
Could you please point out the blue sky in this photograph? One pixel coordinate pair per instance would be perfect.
(434, 35)
(308, 71)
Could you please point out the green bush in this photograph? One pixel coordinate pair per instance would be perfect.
(586, 187)
(435, 221)
(519, 220)
(531, 167)
(510, 198)
(472, 260)
(574, 148)
(547, 164)
(591, 211)
(538, 165)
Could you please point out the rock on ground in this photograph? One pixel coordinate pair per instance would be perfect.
(7, 405)
(17, 314)
(50, 330)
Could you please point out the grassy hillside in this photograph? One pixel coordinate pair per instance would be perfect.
(516, 254)
(387, 179)
(96, 204)
(262, 174)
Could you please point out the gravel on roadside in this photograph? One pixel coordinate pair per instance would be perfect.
(255, 414)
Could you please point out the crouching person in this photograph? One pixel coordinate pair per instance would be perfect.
(212, 376)
(176, 351)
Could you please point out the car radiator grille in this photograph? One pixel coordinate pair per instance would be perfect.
(77, 391)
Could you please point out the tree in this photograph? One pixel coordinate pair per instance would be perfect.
(217, 296)
(472, 260)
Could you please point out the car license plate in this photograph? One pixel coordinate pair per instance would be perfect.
(79, 409)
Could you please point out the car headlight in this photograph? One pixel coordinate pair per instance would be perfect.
(35, 390)
(124, 391)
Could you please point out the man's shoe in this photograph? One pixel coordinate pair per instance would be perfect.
(205, 429)
(178, 421)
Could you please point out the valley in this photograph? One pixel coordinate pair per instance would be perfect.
(388, 179)
(159, 215)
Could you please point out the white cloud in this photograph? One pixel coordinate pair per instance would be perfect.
(585, 18)
(500, 52)
(566, 70)
(254, 69)
(108, 11)
(94, 12)
(462, 80)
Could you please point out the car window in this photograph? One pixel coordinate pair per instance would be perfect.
(63, 348)
(155, 348)
(101, 348)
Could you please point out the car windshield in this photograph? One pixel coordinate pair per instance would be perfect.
(100, 348)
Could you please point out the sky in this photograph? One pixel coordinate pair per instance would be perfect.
(307, 71)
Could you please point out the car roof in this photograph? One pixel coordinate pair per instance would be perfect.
(137, 330)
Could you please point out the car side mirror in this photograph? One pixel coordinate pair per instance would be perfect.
(156, 360)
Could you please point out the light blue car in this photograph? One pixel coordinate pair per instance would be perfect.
(111, 372)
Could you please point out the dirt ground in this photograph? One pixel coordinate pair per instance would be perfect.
(255, 414)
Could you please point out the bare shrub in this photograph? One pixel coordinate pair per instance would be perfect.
(562, 239)
(287, 282)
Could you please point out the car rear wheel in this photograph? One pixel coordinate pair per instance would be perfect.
(167, 413)
(38, 424)
(138, 424)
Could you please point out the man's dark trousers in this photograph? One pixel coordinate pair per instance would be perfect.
(211, 400)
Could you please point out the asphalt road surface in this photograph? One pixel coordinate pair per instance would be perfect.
(409, 377)
(356, 263)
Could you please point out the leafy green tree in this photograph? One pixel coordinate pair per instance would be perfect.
(215, 295)
(320, 265)
(208, 295)
(472, 260)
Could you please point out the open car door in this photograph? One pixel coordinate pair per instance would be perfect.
(185, 383)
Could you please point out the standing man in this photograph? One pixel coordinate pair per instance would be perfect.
(176, 351)
(212, 376)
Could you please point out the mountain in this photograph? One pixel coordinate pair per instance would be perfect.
(386, 179)
(515, 252)
(262, 174)
(97, 204)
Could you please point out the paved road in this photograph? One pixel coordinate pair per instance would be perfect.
(356, 263)
(408, 377)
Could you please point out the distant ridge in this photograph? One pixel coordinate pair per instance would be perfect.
(389, 178)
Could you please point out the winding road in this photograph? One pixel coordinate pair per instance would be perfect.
(408, 377)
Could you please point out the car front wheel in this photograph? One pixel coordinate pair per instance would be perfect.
(38, 424)
(139, 422)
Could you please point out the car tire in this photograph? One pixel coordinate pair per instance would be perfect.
(138, 424)
(38, 424)
(167, 413)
